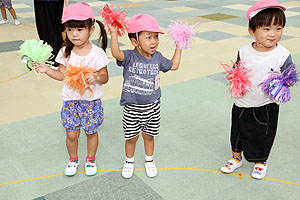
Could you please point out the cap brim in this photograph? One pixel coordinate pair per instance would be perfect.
(155, 30)
(78, 18)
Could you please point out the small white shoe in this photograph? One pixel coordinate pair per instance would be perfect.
(231, 165)
(90, 168)
(259, 170)
(71, 168)
(127, 170)
(17, 22)
(4, 21)
(151, 169)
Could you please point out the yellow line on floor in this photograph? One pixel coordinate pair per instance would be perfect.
(31, 179)
(142, 169)
(15, 77)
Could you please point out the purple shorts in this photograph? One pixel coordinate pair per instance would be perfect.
(82, 113)
(5, 3)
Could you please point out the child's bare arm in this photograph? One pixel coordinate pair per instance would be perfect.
(55, 74)
(176, 59)
(114, 45)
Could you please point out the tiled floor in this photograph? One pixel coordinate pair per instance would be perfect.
(194, 138)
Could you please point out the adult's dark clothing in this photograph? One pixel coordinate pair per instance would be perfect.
(48, 14)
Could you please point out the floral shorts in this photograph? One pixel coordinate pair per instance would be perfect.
(82, 113)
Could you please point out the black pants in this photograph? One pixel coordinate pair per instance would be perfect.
(253, 131)
(48, 23)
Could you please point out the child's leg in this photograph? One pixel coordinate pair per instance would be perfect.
(92, 144)
(72, 143)
(3, 12)
(128, 167)
(72, 146)
(148, 144)
(235, 140)
(12, 12)
(130, 146)
(90, 166)
(150, 167)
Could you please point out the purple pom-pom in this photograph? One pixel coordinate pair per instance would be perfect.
(277, 84)
(181, 34)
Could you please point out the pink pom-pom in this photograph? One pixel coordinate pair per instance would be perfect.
(114, 18)
(237, 78)
(181, 34)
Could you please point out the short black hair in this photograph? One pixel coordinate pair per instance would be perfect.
(265, 18)
(133, 35)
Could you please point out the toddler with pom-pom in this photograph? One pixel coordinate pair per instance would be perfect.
(141, 87)
(83, 67)
(254, 113)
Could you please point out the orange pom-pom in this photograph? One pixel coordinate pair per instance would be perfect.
(75, 78)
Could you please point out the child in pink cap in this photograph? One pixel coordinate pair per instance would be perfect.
(255, 115)
(141, 87)
(81, 109)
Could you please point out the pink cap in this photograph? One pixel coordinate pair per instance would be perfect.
(143, 22)
(78, 11)
(261, 5)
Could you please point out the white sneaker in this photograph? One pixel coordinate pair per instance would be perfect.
(90, 168)
(71, 168)
(17, 22)
(231, 165)
(127, 170)
(259, 170)
(151, 169)
(4, 21)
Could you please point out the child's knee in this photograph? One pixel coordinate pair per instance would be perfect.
(133, 140)
(147, 136)
(72, 136)
(92, 135)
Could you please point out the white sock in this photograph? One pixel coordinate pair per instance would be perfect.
(149, 158)
(130, 159)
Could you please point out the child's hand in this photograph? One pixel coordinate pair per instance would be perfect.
(112, 29)
(177, 47)
(91, 78)
(40, 67)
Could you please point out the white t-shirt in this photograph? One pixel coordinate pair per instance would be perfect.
(260, 65)
(97, 59)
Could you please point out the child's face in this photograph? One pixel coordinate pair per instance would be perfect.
(266, 37)
(148, 41)
(79, 36)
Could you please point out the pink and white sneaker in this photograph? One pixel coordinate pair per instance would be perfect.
(71, 168)
(90, 168)
(231, 165)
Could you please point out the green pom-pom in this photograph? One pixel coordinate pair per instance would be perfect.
(35, 51)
